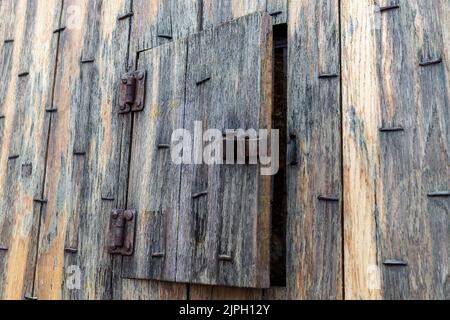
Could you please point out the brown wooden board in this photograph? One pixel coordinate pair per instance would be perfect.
(396, 149)
(314, 233)
(180, 237)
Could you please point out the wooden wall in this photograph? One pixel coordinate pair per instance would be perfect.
(367, 205)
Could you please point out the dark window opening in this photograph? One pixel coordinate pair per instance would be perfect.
(279, 204)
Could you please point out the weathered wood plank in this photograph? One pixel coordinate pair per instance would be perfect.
(218, 12)
(278, 9)
(154, 178)
(100, 140)
(186, 238)
(396, 150)
(36, 45)
(314, 245)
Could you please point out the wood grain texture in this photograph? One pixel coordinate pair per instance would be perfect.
(32, 91)
(389, 83)
(186, 237)
(99, 150)
(314, 251)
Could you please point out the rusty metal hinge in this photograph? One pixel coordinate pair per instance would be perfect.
(121, 232)
(132, 92)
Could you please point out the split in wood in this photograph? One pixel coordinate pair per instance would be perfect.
(13, 157)
(71, 250)
(59, 30)
(329, 199)
(126, 16)
(439, 194)
(163, 146)
(165, 36)
(23, 74)
(199, 194)
(275, 13)
(200, 82)
(9, 40)
(394, 129)
(328, 76)
(395, 263)
(226, 258)
(388, 8)
(158, 255)
(430, 62)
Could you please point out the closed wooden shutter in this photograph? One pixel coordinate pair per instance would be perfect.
(198, 223)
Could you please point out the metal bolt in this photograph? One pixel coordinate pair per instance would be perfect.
(115, 215)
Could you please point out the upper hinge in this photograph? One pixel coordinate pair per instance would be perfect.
(122, 225)
(132, 92)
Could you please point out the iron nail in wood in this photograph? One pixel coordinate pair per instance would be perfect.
(427, 63)
(125, 16)
(9, 40)
(52, 110)
(79, 153)
(158, 255)
(84, 61)
(275, 13)
(13, 157)
(23, 74)
(165, 36)
(395, 263)
(390, 7)
(42, 201)
(225, 257)
(200, 82)
(2, 116)
(329, 199)
(199, 194)
(59, 30)
(439, 194)
(26, 297)
(163, 146)
(108, 199)
(393, 129)
(71, 250)
(328, 75)
(4, 249)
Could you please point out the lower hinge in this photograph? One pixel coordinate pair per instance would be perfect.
(132, 92)
(122, 226)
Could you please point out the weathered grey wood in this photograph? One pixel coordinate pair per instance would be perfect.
(218, 12)
(389, 173)
(154, 178)
(278, 9)
(30, 31)
(314, 239)
(192, 232)
(161, 21)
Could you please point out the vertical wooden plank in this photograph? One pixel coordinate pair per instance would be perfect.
(50, 260)
(236, 196)
(314, 245)
(396, 113)
(32, 95)
(154, 179)
(99, 151)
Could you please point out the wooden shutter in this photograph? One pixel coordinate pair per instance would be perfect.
(205, 224)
